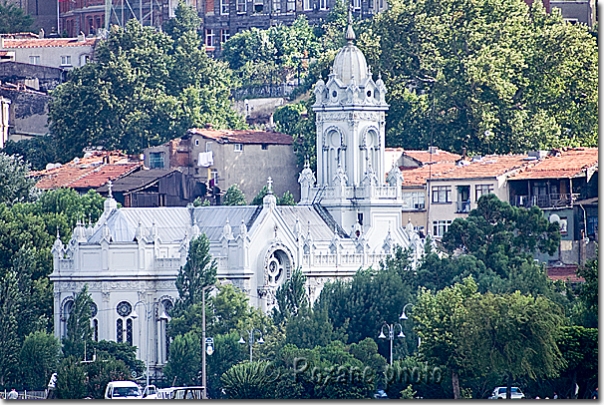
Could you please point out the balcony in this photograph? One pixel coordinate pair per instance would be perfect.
(463, 207)
(545, 200)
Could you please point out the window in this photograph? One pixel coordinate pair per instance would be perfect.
(196, 142)
(307, 5)
(214, 178)
(84, 59)
(323, 4)
(276, 6)
(209, 146)
(241, 6)
(210, 37)
(34, 60)
(224, 7)
(238, 147)
(66, 60)
(95, 328)
(439, 228)
(264, 146)
(441, 194)
(414, 200)
(156, 160)
(291, 5)
(129, 331)
(119, 333)
(224, 35)
(356, 4)
(482, 189)
(258, 6)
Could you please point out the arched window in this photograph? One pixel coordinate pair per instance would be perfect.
(67, 308)
(129, 331)
(95, 329)
(119, 335)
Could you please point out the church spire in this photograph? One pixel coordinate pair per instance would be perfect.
(350, 36)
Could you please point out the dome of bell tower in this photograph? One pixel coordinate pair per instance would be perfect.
(350, 61)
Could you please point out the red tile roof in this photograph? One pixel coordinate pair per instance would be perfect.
(488, 167)
(425, 157)
(87, 172)
(570, 163)
(417, 176)
(243, 136)
(565, 272)
(47, 43)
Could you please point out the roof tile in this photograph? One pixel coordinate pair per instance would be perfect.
(570, 163)
(243, 136)
(47, 43)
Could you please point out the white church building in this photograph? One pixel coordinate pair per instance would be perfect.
(349, 217)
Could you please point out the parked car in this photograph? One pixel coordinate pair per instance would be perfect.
(500, 393)
(380, 394)
(123, 390)
(150, 392)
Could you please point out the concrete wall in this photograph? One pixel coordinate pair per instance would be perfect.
(28, 113)
(48, 78)
(51, 56)
(251, 167)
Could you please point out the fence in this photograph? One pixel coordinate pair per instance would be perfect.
(26, 394)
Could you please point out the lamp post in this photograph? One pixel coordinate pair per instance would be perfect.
(203, 342)
(250, 341)
(404, 317)
(134, 315)
(391, 329)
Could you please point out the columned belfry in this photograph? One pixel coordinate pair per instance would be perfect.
(350, 117)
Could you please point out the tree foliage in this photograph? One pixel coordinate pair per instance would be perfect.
(15, 184)
(71, 379)
(487, 76)
(185, 360)
(79, 330)
(144, 88)
(13, 18)
(38, 359)
(199, 271)
(37, 151)
(234, 196)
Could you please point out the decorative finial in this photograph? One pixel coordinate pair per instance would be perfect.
(109, 188)
(350, 36)
(270, 185)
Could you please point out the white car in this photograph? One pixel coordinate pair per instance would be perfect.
(123, 390)
(500, 393)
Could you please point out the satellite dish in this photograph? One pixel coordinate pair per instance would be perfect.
(554, 218)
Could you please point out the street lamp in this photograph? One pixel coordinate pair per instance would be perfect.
(250, 341)
(203, 341)
(404, 317)
(134, 315)
(391, 329)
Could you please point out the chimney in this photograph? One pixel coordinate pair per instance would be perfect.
(81, 37)
(463, 154)
(41, 34)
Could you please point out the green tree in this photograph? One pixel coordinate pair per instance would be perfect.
(477, 75)
(227, 352)
(579, 347)
(9, 339)
(185, 360)
(199, 271)
(440, 321)
(144, 89)
(38, 359)
(292, 299)
(37, 151)
(100, 372)
(588, 291)
(249, 381)
(79, 331)
(71, 379)
(185, 20)
(15, 184)
(13, 18)
(515, 335)
(234, 196)
(298, 120)
(286, 199)
(121, 351)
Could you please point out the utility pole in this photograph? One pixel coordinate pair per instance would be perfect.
(203, 341)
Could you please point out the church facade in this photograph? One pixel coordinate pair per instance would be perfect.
(349, 217)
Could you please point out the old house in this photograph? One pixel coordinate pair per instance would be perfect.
(221, 158)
